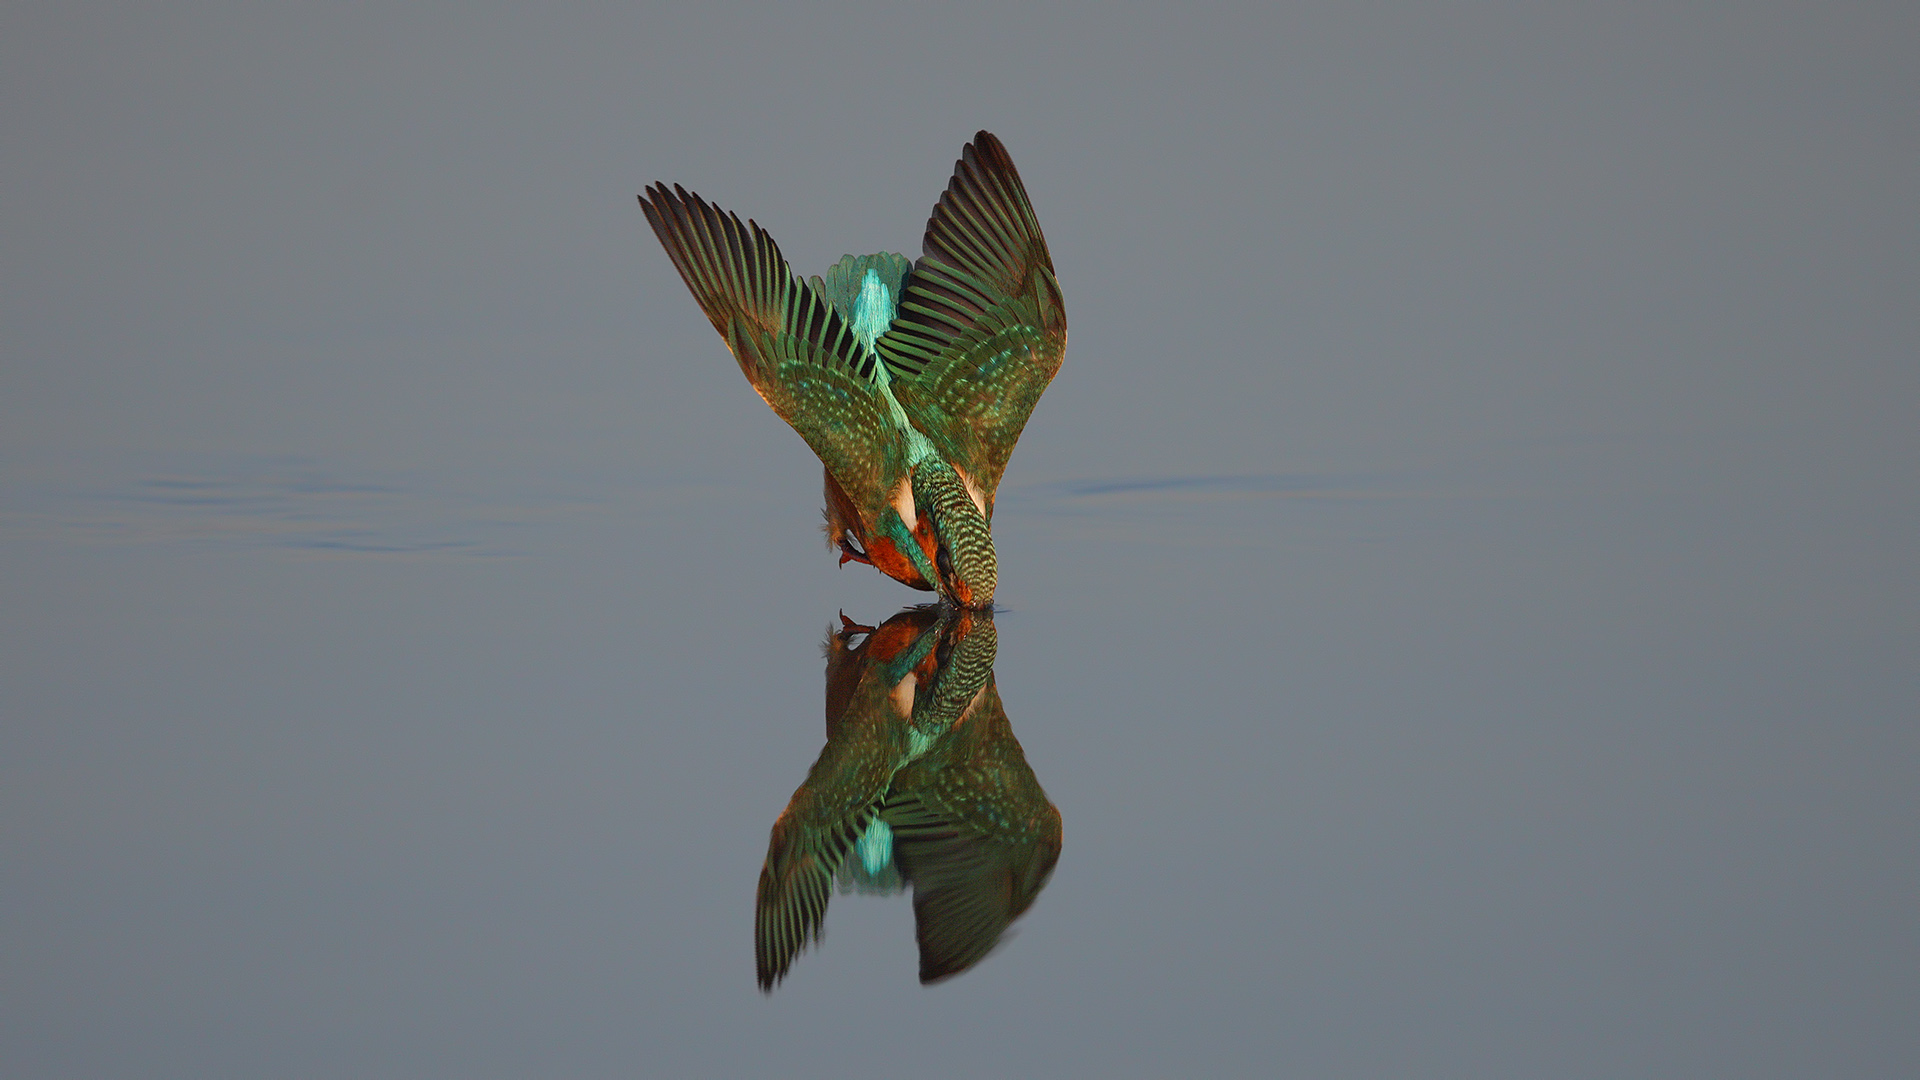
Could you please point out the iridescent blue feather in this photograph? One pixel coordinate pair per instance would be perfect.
(865, 291)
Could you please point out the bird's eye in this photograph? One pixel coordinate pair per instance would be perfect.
(944, 561)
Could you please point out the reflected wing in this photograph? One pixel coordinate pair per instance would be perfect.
(977, 837)
(823, 821)
(795, 884)
(967, 887)
(982, 327)
(793, 347)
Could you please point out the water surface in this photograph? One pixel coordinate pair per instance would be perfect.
(1460, 592)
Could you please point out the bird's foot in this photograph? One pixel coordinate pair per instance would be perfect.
(849, 552)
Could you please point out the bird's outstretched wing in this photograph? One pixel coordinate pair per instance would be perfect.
(794, 348)
(796, 882)
(975, 835)
(982, 326)
(830, 812)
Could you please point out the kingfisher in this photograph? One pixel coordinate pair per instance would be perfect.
(921, 784)
(911, 381)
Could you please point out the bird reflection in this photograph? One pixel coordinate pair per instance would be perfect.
(921, 784)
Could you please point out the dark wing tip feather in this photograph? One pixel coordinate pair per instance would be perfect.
(988, 145)
(796, 884)
(790, 910)
(738, 275)
(984, 197)
(982, 247)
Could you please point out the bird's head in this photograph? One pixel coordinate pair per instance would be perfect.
(962, 542)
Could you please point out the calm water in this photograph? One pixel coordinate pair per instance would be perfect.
(1460, 593)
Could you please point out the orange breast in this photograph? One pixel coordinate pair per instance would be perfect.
(889, 561)
(843, 516)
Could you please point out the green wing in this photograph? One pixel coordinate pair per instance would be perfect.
(975, 834)
(793, 347)
(982, 327)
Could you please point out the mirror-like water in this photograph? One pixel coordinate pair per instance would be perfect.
(1459, 592)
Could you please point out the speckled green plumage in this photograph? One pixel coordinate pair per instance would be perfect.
(982, 322)
(975, 835)
(978, 331)
(917, 740)
(963, 532)
(792, 346)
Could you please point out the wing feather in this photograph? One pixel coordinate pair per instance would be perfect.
(982, 325)
(796, 883)
(798, 353)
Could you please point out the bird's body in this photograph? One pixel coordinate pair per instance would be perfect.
(912, 382)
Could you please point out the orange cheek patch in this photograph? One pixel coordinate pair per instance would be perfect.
(923, 532)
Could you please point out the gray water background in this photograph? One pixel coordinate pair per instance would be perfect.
(1460, 591)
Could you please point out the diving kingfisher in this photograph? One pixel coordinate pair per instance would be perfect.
(911, 382)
